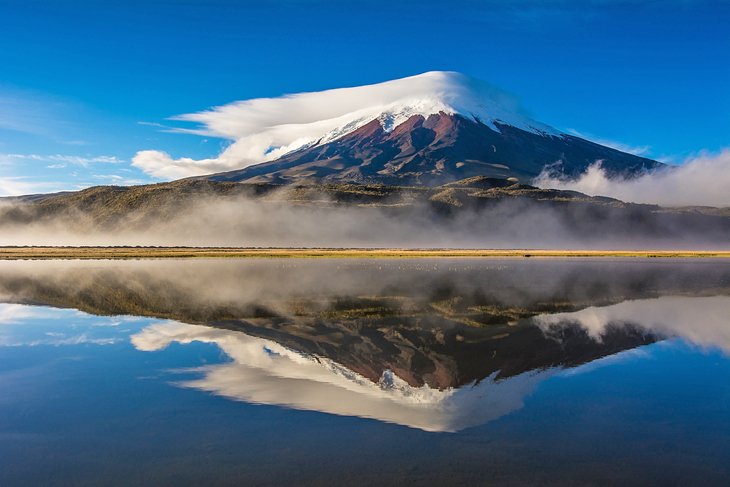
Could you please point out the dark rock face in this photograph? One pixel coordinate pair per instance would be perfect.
(437, 150)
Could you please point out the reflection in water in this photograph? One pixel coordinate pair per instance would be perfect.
(23, 326)
(702, 321)
(264, 372)
(438, 345)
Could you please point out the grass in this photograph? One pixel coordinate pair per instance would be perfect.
(14, 253)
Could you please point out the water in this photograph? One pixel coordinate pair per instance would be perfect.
(365, 372)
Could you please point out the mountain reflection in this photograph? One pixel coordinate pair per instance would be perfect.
(264, 372)
(702, 321)
(439, 345)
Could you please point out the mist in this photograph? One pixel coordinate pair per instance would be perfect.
(199, 291)
(701, 181)
(260, 222)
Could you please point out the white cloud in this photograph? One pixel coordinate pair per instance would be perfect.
(60, 340)
(161, 165)
(263, 129)
(119, 180)
(703, 180)
(60, 160)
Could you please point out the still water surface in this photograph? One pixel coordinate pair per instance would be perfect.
(362, 372)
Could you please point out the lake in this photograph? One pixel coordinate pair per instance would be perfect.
(365, 372)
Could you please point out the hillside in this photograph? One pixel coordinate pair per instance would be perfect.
(474, 212)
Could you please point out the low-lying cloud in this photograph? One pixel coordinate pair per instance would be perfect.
(701, 181)
(270, 222)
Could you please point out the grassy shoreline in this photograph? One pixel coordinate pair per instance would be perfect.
(16, 253)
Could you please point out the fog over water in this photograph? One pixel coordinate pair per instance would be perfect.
(187, 285)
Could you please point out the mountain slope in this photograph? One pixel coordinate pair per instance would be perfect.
(428, 129)
(437, 149)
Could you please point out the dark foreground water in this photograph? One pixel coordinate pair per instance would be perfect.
(365, 372)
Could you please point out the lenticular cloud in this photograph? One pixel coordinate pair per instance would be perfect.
(263, 129)
(704, 180)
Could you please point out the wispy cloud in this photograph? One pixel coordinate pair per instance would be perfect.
(59, 341)
(60, 160)
(35, 113)
(117, 179)
(20, 172)
(29, 326)
(22, 116)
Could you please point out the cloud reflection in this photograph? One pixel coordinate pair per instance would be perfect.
(12, 314)
(264, 372)
(702, 321)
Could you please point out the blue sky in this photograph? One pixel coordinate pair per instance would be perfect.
(83, 83)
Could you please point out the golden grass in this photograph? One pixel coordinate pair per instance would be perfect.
(15, 253)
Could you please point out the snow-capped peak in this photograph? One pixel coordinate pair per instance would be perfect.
(264, 129)
(394, 102)
(454, 93)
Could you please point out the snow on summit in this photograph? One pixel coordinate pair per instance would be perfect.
(263, 129)
(394, 102)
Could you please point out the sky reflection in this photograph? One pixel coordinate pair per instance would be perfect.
(565, 367)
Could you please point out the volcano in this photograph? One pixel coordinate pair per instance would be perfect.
(428, 130)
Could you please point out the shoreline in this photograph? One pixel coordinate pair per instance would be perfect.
(37, 253)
